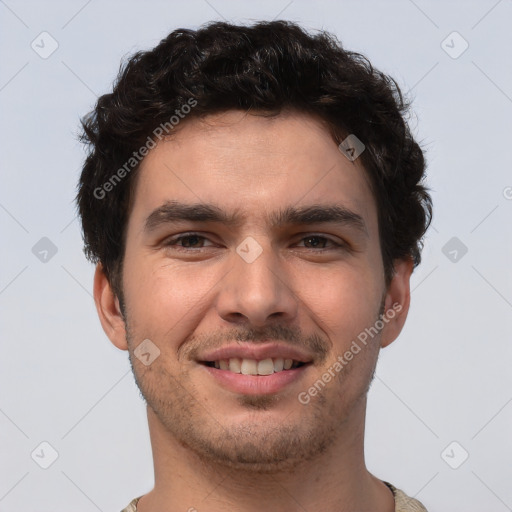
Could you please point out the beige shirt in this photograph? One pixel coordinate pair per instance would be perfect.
(402, 502)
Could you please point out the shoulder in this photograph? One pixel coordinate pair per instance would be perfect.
(404, 503)
(132, 507)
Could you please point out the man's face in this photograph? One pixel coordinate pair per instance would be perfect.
(274, 285)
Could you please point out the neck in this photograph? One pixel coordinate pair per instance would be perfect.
(337, 481)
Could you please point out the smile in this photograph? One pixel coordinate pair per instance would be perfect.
(263, 367)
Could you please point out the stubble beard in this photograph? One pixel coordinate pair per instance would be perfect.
(257, 445)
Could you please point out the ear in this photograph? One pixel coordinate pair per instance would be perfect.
(397, 300)
(109, 310)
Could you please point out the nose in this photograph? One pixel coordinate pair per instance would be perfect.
(256, 292)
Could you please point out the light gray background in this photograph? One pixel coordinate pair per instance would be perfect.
(447, 378)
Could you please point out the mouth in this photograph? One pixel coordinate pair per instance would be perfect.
(263, 367)
(256, 369)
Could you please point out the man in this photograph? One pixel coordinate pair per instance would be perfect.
(253, 200)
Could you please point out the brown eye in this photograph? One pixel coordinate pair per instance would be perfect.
(190, 240)
(320, 242)
(316, 241)
(187, 241)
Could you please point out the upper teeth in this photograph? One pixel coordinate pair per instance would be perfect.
(254, 367)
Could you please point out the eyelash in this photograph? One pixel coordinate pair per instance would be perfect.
(172, 242)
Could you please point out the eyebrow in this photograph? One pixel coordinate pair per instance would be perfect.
(175, 211)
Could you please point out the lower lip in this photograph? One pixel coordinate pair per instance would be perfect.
(256, 384)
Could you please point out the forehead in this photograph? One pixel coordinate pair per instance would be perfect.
(253, 165)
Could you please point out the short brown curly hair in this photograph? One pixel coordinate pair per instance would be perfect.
(266, 67)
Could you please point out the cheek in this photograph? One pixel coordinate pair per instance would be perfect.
(343, 301)
(165, 302)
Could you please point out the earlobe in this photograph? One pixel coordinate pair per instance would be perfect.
(397, 301)
(109, 310)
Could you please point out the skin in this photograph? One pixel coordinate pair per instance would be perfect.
(215, 449)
